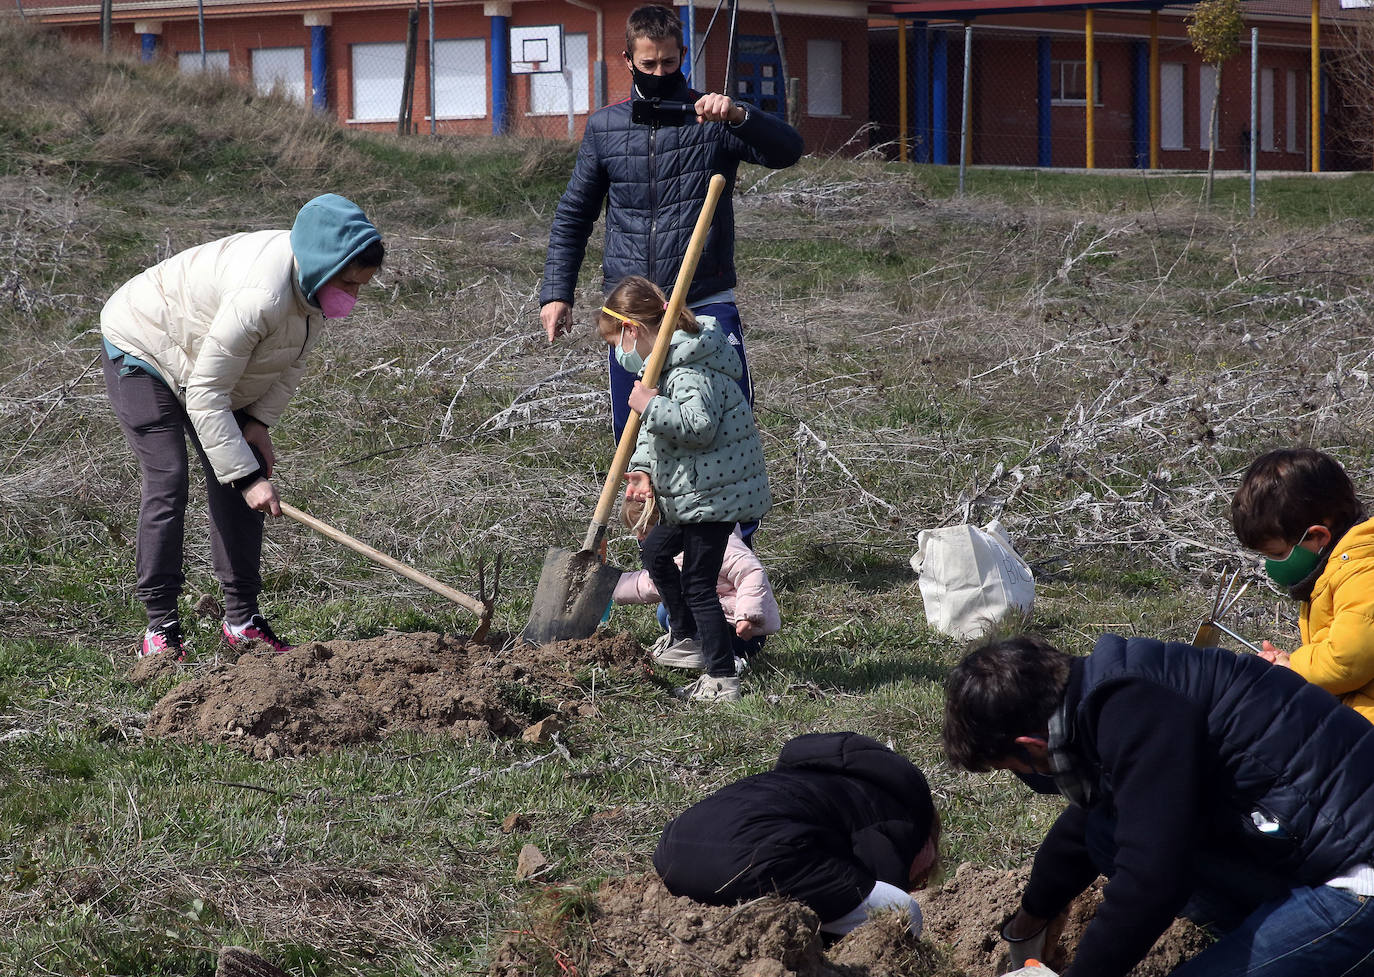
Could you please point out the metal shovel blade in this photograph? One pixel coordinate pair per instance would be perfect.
(574, 591)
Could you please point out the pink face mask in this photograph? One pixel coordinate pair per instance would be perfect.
(335, 302)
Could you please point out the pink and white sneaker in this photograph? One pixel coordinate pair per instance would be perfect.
(257, 629)
(163, 639)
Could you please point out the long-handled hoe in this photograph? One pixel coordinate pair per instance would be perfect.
(481, 606)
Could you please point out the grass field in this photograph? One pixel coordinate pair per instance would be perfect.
(1091, 360)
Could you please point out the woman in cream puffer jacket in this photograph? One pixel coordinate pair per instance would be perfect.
(212, 343)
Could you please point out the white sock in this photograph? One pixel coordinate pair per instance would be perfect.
(883, 896)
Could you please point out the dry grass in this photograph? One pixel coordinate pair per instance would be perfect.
(1094, 376)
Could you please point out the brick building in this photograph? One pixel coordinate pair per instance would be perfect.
(1028, 103)
(348, 57)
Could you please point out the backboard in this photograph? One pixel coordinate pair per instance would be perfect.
(536, 50)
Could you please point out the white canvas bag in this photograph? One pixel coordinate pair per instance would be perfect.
(970, 578)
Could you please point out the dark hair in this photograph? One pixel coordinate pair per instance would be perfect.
(1003, 690)
(639, 299)
(371, 256)
(1286, 491)
(654, 21)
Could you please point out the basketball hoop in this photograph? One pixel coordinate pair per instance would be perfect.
(536, 50)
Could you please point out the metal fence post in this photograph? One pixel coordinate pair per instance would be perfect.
(433, 109)
(1254, 113)
(968, 107)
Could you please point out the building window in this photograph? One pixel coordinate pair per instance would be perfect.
(377, 85)
(1171, 105)
(1206, 94)
(280, 67)
(549, 93)
(188, 62)
(460, 78)
(824, 85)
(1069, 83)
(1266, 110)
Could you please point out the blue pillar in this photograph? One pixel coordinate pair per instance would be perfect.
(1044, 101)
(688, 41)
(939, 94)
(500, 72)
(1140, 103)
(920, 70)
(319, 68)
(149, 47)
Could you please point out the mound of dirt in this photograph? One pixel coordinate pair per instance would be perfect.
(641, 929)
(966, 913)
(633, 926)
(322, 695)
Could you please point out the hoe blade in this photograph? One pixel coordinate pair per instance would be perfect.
(1207, 636)
(574, 591)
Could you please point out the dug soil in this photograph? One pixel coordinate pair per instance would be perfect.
(633, 927)
(323, 695)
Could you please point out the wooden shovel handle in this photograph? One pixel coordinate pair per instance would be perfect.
(380, 558)
(654, 365)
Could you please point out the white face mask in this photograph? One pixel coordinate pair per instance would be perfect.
(630, 361)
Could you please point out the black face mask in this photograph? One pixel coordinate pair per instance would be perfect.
(1041, 783)
(658, 86)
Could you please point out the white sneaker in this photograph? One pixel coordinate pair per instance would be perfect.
(710, 689)
(679, 653)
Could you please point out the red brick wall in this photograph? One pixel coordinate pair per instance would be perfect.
(1004, 120)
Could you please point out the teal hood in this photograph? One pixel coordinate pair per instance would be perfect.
(330, 231)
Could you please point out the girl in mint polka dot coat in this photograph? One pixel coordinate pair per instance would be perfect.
(699, 458)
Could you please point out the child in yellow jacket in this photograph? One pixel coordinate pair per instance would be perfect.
(1298, 508)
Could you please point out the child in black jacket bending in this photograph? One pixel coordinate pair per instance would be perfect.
(842, 824)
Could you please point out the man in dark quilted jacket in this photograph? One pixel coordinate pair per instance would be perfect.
(1202, 783)
(652, 179)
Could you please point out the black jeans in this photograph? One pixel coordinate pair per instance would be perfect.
(690, 594)
(156, 426)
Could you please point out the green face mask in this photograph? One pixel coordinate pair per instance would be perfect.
(1292, 568)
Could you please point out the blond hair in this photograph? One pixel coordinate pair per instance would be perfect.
(639, 515)
(641, 300)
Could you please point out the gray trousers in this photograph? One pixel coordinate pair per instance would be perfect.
(156, 426)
